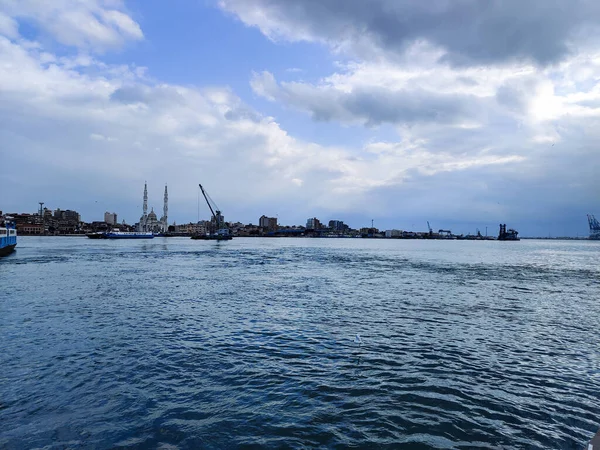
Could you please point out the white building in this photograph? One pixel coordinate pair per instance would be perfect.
(110, 218)
(150, 222)
(393, 233)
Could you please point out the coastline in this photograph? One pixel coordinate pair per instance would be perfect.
(562, 238)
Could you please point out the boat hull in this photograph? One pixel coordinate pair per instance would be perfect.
(212, 238)
(7, 250)
(96, 236)
(112, 236)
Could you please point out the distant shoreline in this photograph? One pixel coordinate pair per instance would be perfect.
(564, 238)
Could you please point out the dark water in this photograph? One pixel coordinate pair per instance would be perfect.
(174, 343)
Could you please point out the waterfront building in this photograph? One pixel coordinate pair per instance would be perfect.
(393, 233)
(30, 228)
(199, 228)
(68, 215)
(338, 225)
(47, 215)
(268, 223)
(149, 221)
(313, 224)
(110, 218)
(152, 222)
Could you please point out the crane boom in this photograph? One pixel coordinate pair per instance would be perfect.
(219, 231)
(209, 205)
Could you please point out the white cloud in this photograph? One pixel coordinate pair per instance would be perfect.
(112, 126)
(96, 25)
(8, 26)
(101, 137)
(469, 32)
(492, 141)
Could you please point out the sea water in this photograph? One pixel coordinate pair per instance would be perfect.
(174, 343)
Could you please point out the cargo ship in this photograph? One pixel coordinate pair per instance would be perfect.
(8, 238)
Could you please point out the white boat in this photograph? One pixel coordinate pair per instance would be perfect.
(118, 234)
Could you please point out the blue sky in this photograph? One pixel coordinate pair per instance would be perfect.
(465, 114)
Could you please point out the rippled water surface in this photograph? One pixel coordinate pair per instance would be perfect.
(174, 343)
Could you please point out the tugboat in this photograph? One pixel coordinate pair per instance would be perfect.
(508, 235)
(8, 237)
(222, 233)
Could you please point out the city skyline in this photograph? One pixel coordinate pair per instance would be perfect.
(204, 215)
(323, 112)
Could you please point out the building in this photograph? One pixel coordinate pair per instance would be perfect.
(268, 223)
(338, 225)
(72, 217)
(110, 218)
(199, 228)
(149, 221)
(313, 224)
(30, 228)
(393, 233)
(47, 216)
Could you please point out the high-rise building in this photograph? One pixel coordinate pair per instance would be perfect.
(268, 223)
(338, 225)
(71, 216)
(313, 224)
(110, 218)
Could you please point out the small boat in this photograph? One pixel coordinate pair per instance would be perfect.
(118, 234)
(222, 233)
(8, 238)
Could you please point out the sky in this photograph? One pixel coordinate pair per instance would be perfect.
(463, 113)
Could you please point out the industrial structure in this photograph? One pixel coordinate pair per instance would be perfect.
(506, 235)
(218, 228)
(594, 227)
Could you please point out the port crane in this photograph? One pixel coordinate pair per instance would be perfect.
(222, 233)
(216, 213)
(594, 227)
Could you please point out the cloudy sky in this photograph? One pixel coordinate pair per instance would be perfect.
(465, 113)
